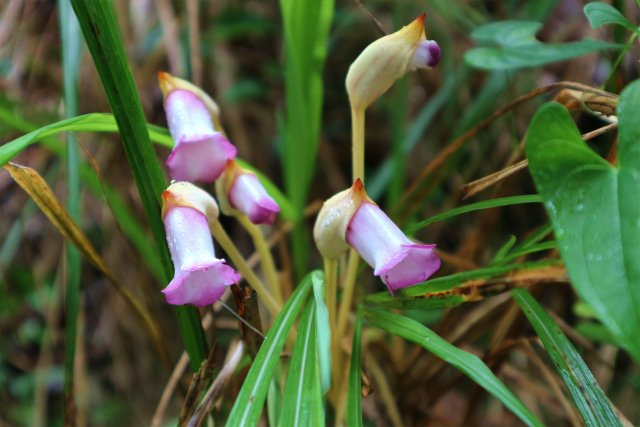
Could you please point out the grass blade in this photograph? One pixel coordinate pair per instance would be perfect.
(593, 404)
(302, 391)
(101, 122)
(468, 363)
(100, 31)
(323, 334)
(306, 30)
(250, 400)
(470, 286)
(354, 397)
(494, 203)
(71, 54)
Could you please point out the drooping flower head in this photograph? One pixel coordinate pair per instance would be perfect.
(351, 218)
(201, 150)
(200, 278)
(387, 59)
(240, 192)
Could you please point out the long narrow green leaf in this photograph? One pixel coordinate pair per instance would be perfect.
(100, 31)
(306, 29)
(100, 122)
(505, 201)
(592, 403)
(71, 50)
(323, 334)
(469, 286)
(468, 363)
(302, 392)
(250, 400)
(551, 244)
(354, 397)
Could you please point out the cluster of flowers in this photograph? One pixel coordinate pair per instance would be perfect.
(351, 218)
(202, 153)
(348, 219)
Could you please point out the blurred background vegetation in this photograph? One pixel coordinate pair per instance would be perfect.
(240, 64)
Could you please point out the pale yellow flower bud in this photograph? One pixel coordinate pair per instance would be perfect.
(386, 60)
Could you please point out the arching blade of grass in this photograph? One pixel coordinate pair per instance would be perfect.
(250, 400)
(354, 396)
(468, 363)
(306, 28)
(46, 200)
(102, 122)
(71, 54)
(302, 398)
(470, 286)
(505, 201)
(593, 404)
(100, 31)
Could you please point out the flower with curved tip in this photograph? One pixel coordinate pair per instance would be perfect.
(240, 191)
(387, 59)
(351, 218)
(201, 150)
(200, 278)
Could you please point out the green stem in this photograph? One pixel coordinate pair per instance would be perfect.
(330, 290)
(347, 293)
(266, 258)
(357, 123)
(241, 264)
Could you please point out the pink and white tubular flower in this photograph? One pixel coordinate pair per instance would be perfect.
(200, 278)
(201, 151)
(240, 192)
(351, 218)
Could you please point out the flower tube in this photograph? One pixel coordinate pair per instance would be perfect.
(200, 278)
(387, 59)
(351, 218)
(201, 151)
(240, 191)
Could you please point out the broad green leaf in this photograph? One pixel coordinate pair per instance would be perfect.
(469, 286)
(323, 333)
(100, 31)
(354, 393)
(592, 403)
(468, 363)
(518, 47)
(599, 13)
(302, 397)
(505, 201)
(306, 29)
(595, 211)
(250, 400)
(101, 122)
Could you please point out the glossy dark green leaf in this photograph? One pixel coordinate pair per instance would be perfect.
(593, 404)
(468, 363)
(469, 286)
(250, 400)
(354, 392)
(595, 211)
(600, 13)
(100, 31)
(517, 47)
